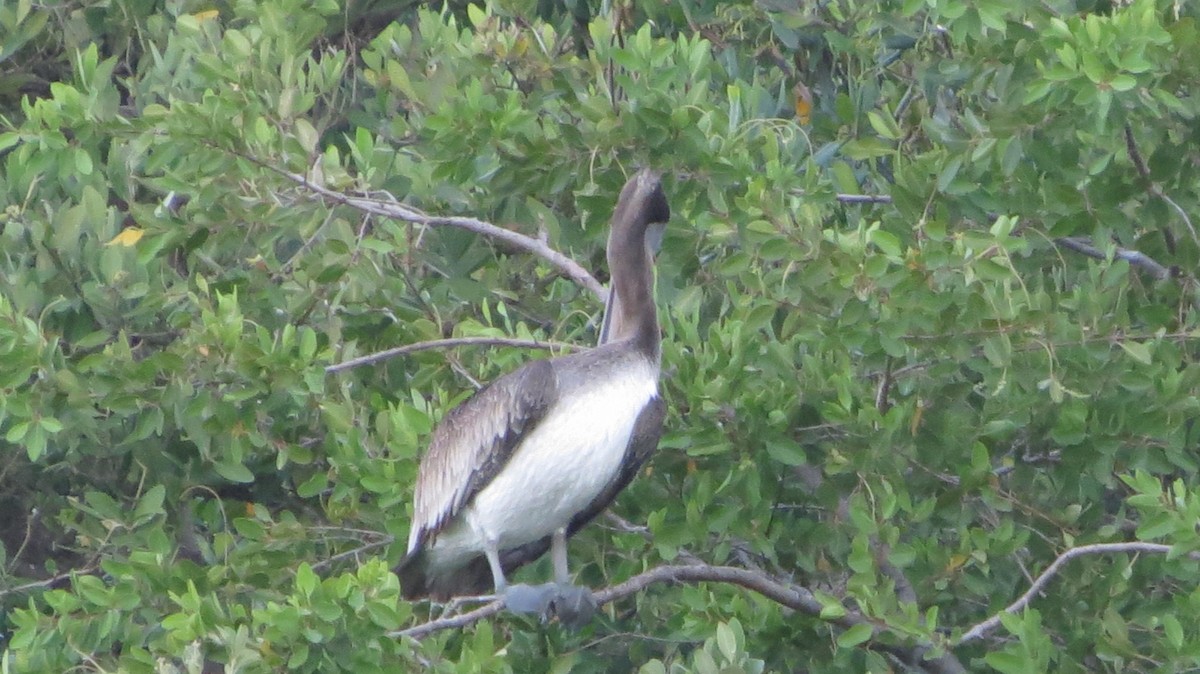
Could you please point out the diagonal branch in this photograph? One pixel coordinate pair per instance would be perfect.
(787, 594)
(1133, 257)
(391, 208)
(373, 358)
(1139, 163)
(982, 629)
(51, 583)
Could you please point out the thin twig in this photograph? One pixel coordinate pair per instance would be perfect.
(360, 550)
(1133, 257)
(30, 522)
(392, 208)
(49, 583)
(884, 389)
(852, 198)
(982, 629)
(1143, 170)
(372, 358)
(863, 198)
(460, 620)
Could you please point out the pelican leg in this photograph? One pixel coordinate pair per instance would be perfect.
(498, 579)
(558, 552)
(519, 598)
(574, 605)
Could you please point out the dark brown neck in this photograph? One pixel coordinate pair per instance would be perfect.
(631, 314)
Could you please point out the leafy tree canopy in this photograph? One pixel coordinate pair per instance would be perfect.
(929, 309)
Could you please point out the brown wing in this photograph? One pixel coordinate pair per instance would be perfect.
(642, 443)
(473, 443)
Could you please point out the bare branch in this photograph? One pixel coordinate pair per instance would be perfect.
(1133, 257)
(1139, 163)
(51, 583)
(355, 553)
(370, 359)
(982, 629)
(884, 389)
(793, 596)
(863, 198)
(460, 620)
(852, 198)
(392, 208)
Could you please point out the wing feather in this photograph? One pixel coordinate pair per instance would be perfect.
(473, 443)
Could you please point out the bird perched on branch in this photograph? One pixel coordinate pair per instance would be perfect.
(532, 457)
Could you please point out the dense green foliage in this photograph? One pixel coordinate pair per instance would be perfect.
(910, 405)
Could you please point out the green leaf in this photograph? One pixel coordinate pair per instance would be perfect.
(1008, 662)
(726, 642)
(233, 471)
(306, 579)
(1173, 630)
(831, 607)
(150, 504)
(854, 636)
(786, 452)
(884, 125)
(653, 667)
(1139, 351)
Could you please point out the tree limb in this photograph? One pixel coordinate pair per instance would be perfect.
(1133, 257)
(793, 596)
(982, 629)
(863, 198)
(372, 358)
(391, 208)
(1139, 163)
(852, 198)
(51, 583)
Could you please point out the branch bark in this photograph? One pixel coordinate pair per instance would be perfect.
(1133, 257)
(1135, 156)
(391, 208)
(984, 628)
(372, 358)
(787, 594)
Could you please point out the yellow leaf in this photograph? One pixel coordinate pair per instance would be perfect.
(803, 102)
(128, 237)
(206, 15)
(915, 423)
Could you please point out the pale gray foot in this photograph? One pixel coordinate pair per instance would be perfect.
(522, 598)
(574, 606)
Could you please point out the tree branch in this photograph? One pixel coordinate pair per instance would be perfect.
(355, 553)
(372, 358)
(852, 198)
(863, 198)
(391, 208)
(1133, 257)
(982, 629)
(1139, 163)
(792, 596)
(51, 583)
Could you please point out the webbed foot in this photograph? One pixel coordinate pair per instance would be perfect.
(574, 605)
(524, 598)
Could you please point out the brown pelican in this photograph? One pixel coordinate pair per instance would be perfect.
(532, 457)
